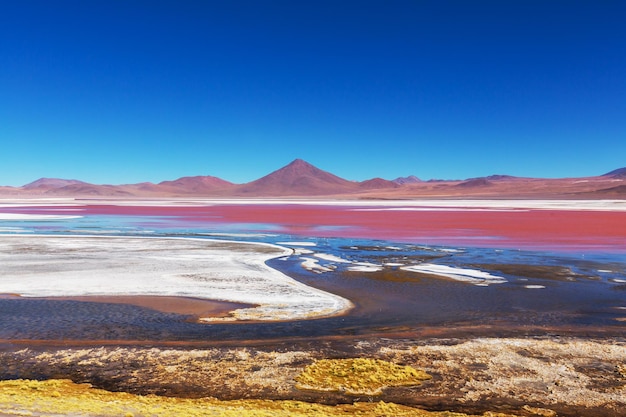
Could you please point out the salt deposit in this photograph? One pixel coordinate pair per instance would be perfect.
(313, 265)
(331, 258)
(460, 274)
(34, 217)
(46, 266)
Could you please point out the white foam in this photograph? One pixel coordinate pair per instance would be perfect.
(365, 268)
(366, 264)
(459, 274)
(331, 258)
(14, 230)
(35, 217)
(297, 243)
(246, 235)
(302, 251)
(313, 265)
(534, 287)
(96, 231)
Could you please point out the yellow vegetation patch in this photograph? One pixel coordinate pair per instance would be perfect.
(358, 376)
(63, 397)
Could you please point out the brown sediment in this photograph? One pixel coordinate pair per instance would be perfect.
(549, 272)
(196, 307)
(457, 331)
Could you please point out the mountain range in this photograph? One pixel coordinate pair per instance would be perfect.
(301, 179)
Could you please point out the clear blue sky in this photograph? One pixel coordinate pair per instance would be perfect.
(122, 91)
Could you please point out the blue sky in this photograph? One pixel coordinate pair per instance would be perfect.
(126, 91)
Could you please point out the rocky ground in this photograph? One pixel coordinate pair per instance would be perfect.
(523, 376)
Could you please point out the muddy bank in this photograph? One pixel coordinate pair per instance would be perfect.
(572, 376)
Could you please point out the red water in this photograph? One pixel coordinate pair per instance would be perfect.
(528, 229)
(384, 305)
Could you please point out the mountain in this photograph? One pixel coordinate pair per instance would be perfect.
(85, 189)
(411, 179)
(499, 177)
(198, 184)
(50, 183)
(143, 188)
(299, 178)
(377, 184)
(618, 173)
(475, 183)
(6, 190)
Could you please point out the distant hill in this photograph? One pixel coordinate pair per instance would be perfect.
(612, 192)
(85, 189)
(411, 179)
(298, 178)
(499, 177)
(476, 182)
(50, 183)
(5, 190)
(618, 173)
(301, 179)
(192, 185)
(619, 190)
(377, 184)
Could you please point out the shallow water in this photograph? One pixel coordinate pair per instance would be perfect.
(572, 291)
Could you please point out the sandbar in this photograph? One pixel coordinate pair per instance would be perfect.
(195, 307)
(95, 266)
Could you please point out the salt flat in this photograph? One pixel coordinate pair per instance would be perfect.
(62, 266)
(418, 204)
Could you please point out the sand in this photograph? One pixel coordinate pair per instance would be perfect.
(81, 266)
(197, 307)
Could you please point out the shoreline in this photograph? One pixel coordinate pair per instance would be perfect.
(468, 203)
(534, 225)
(113, 266)
(475, 369)
(557, 225)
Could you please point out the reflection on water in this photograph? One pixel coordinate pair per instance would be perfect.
(398, 289)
